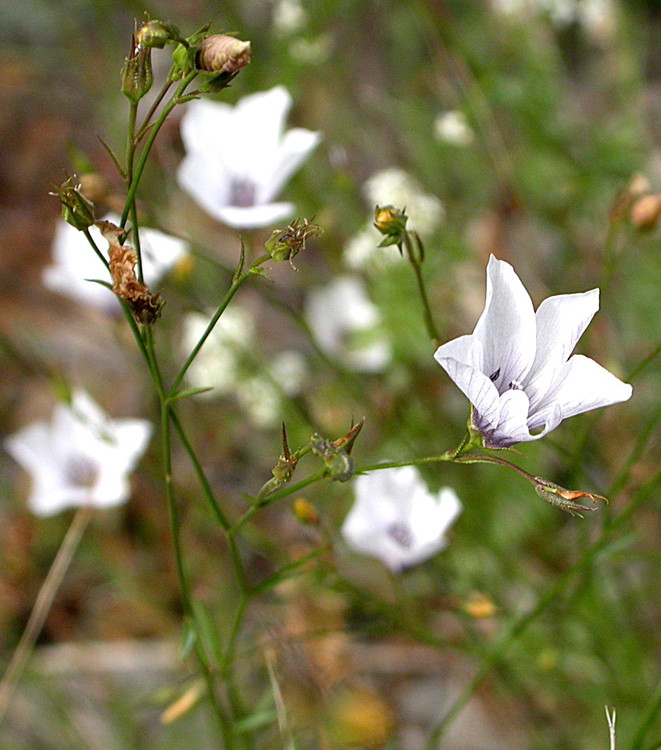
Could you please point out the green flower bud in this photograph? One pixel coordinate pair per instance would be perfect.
(156, 34)
(137, 76)
(77, 210)
(391, 222)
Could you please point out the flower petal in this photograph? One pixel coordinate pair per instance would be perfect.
(582, 384)
(561, 321)
(253, 217)
(507, 327)
(462, 359)
(292, 151)
(512, 426)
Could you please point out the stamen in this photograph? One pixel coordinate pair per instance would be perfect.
(494, 375)
(402, 534)
(242, 192)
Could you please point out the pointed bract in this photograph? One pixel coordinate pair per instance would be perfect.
(397, 519)
(515, 368)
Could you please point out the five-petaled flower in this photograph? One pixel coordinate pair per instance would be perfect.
(238, 158)
(515, 367)
(80, 457)
(397, 519)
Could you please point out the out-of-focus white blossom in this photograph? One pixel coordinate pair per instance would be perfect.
(362, 251)
(346, 325)
(217, 364)
(74, 262)
(223, 365)
(452, 127)
(288, 17)
(80, 457)
(597, 17)
(515, 368)
(397, 519)
(239, 158)
(395, 187)
(313, 51)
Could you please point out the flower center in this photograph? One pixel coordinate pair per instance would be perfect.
(81, 471)
(494, 375)
(242, 192)
(514, 386)
(401, 533)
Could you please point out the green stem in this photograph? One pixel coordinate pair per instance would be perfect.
(142, 161)
(520, 625)
(143, 128)
(237, 282)
(432, 331)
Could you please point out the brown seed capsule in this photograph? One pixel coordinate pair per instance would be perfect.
(220, 53)
(646, 211)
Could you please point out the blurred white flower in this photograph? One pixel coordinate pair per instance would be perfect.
(288, 17)
(397, 519)
(80, 457)
(238, 158)
(597, 17)
(74, 262)
(395, 187)
(515, 367)
(346, 325)
(217, 364)
(313, 51)
(362, 251)
(452, 127)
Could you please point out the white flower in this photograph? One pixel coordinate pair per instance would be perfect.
(515, 367)
(452, 127)
(345, 324)
(397, 519)
(362, 251)
(75, 262)
(289, 16)
(238, 158)
(80, 457)
(395, 187)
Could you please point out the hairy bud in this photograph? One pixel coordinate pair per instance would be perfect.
(220, 53)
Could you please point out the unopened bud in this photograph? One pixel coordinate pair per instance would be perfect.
(77, 210)
(220, 53)
(156, 34)
(359, 718)
(305, 512)
(480, 606)
(137, 76)
(391, 222)
(646, 211)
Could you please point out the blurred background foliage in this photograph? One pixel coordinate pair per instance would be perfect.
(563, 108)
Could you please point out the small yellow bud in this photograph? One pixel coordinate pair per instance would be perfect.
(156, 34)
(646, 211)
(305, 512)
(220, 53)
(360, 719)
(480, 606)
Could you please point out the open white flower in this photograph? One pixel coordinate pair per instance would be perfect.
(74, 262)
(346, 325)
(80, 457)
(238, 158)
(515, 367)
(397, 519)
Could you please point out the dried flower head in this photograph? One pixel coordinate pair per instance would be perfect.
(285, 244)
(146, 307)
